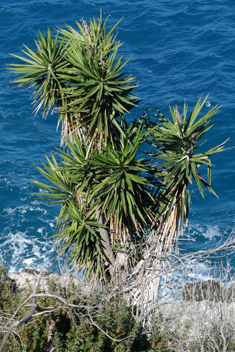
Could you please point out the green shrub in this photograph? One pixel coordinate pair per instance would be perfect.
(89, 329)
(98, 325)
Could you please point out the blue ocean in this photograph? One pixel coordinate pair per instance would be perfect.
(179, 50)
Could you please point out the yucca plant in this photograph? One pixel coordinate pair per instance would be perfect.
(176, 142)
(105, 201)
(99, 92)
(110, 198)
(71, 181)
(42, 71)
(78, 73)
(123, 194)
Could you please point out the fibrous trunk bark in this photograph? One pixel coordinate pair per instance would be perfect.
(148, 273)
(117, 264)
(105, 240)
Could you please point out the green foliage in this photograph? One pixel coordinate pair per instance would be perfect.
(162, 338)
(121, 189)
(78, 71)
(85, 180)
(102, 186)
(76, 223)
(95, 322)
(2, 270)
(176, 142)
(99, 91)
(118, 184)
(42, 70)
(5, 281)
(99, 325)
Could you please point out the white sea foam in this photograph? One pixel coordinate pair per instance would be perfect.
(43, 190)
(29, 261)
(209, 232)
(9, 210)
(50, 222)
(20, 249)
(40, 230)
(22, 209)
(35, 202)
(37, 252)
(212, 232)
(18, 238)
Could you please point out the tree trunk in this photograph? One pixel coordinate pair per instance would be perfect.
(105, 240)
(147, 274)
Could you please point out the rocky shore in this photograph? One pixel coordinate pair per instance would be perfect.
(202, 301)
(28, 277)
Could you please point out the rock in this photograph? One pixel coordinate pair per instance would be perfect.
(28, 278)
(6, 280)
(200, 291)
(230, 294)
(34, 272)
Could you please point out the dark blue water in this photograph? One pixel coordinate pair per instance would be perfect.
(179, 48)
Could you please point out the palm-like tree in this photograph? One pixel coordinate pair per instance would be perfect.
(178, 162)
(42, 71)
(78, 73)
(98, 92)
(110, 199)
(105, 202)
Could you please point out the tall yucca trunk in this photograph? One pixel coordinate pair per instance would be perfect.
(122, 237)
(150, 270)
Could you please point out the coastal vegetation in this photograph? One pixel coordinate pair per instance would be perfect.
(112, 198)
(122, 189)
(70, 319)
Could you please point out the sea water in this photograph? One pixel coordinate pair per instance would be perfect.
(179, 50)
